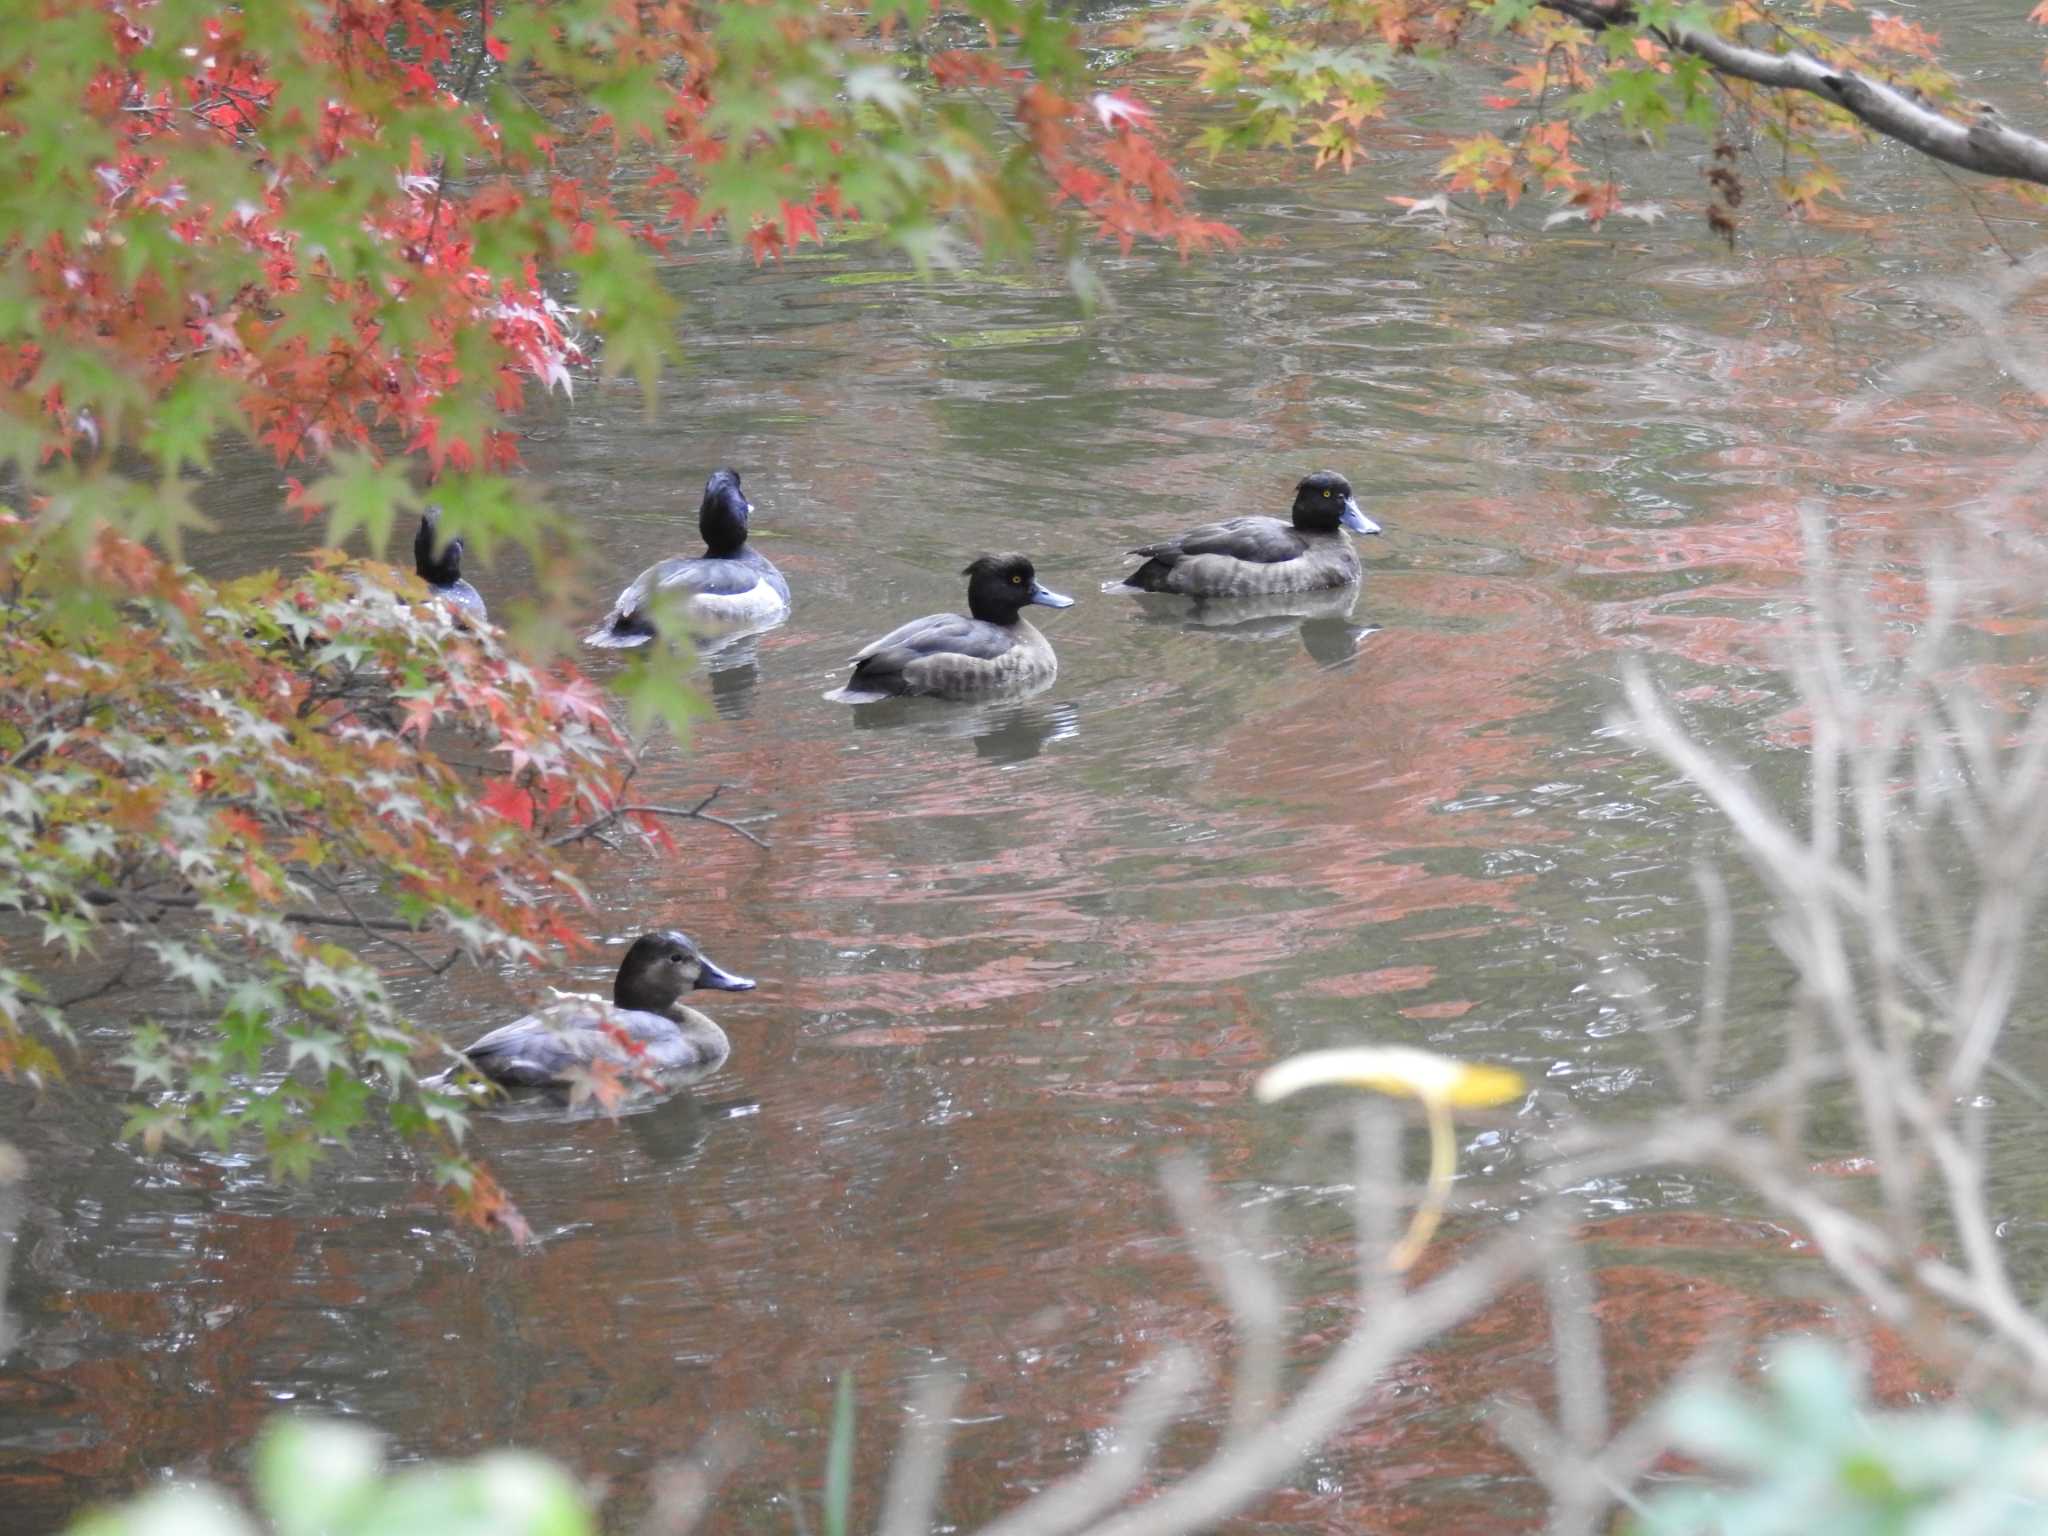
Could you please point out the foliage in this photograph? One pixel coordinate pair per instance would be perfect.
(365, 235)
(276, 760)
(345, 255)
(1814, 1456)
(362, 234)
(315, 1478)
(1320, 75)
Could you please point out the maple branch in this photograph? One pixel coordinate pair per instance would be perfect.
(40, 736)
(695, 812)
(462, 93)
(382, 935)
(1985, 145)
(105, 898)
(99, 989)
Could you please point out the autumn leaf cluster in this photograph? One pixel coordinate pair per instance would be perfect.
(1561, 73)
(370, 237)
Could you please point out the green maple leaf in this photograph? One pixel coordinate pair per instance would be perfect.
(152, 1126)
(362, 494)
(337, 1108)
(203, 975)
(147, 1057)
(292, 1155)
(187, 418)
(164, 513)
(322, 1048)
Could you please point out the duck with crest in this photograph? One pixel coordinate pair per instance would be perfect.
(729, 589)
(1258, 556)
(994, 650)
(441, 569)
(644, 1031)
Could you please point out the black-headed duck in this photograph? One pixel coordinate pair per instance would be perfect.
(729, 588)
(643, 1029)
(946, 656)
(1255, 556)
(441, 569)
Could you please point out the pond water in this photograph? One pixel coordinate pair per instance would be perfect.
(1011, 956)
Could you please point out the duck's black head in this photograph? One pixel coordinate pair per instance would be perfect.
(722, 517)
(999, 587)
(1323, 503)
(442, 569)
(661, 967)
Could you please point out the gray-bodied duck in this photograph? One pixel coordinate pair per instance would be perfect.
(644, 1029)
(993, 650)
(1256, 556)
(730, 587)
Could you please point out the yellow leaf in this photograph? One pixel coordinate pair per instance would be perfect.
(1399, 1070)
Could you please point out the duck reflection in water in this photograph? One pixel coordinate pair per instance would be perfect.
(1321, 619)
(675, 1131)
(1011, 730)
(732, 671)
(730, 665)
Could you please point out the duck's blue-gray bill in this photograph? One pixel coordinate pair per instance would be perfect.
(718, 979)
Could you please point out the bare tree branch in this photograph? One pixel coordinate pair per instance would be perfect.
(684, 1490)
(1235, 1274)
(1112, 1473)
(1984, 145)
(913, 1493)
(384, 935)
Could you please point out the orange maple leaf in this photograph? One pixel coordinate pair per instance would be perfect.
(1902, 36)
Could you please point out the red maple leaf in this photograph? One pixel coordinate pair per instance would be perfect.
(419, 714)
(509, 801)
(798, 222)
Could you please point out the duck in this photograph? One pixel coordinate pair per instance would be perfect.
(1255, 556)
(442, 570)
(644, 1029)
(729, 588)
(946, 656)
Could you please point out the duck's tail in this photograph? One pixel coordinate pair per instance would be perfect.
(853, 694)
(1152, 576)
(620, 632)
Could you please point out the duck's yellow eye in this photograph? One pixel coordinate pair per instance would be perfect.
(1328, 494)
(1016, 581)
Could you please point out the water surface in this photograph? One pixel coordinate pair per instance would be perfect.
(1013, 955)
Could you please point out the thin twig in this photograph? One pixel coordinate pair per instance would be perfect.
(381, 935)
(109, 983)
(695, 812)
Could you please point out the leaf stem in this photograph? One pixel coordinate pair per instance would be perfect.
(1443, 1164)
